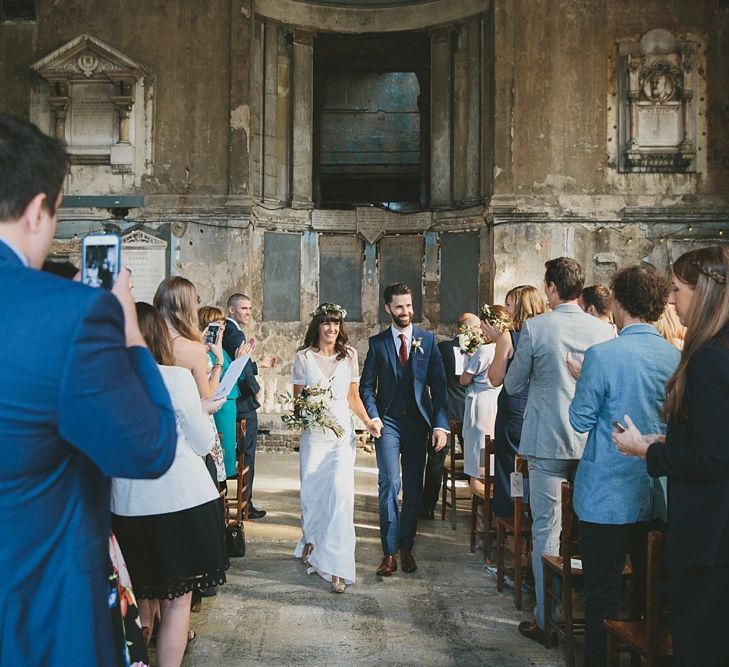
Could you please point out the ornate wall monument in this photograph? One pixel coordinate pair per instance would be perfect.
(658, 104)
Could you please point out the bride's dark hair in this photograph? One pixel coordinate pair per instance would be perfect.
(311, 338)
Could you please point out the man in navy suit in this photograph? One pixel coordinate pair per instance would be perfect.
(239, 314)
(403, 388)
(81, 400)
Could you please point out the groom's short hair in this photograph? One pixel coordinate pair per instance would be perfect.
(396, 288)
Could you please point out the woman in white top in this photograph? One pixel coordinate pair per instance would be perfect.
(480, 409)
(327, 461)
(169, 529)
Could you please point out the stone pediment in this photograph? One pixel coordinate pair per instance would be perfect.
(138, 238)
(87, 58)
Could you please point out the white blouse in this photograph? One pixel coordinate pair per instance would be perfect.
(187, 483)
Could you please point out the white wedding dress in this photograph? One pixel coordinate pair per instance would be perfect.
(327, 469)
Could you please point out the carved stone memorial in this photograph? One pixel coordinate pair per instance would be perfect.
(656, 83)
(145, 255)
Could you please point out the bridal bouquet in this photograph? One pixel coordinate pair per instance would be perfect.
(310, 410)
(470, 338)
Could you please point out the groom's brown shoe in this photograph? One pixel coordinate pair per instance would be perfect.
(408, 562)
(387, 566)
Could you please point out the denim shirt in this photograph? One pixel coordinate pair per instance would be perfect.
(626, 375)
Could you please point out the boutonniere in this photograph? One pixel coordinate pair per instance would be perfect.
(418, 345)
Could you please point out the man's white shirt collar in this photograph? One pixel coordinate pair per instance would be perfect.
(20, 255)
(408, 333)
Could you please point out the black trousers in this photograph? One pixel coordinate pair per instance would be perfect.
(248, 444)
(603, 548)
(699, 617)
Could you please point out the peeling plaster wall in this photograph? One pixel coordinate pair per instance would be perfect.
(555, 177)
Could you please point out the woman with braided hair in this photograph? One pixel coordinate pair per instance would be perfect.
(695, 457)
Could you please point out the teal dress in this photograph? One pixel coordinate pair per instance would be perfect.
(225, 420)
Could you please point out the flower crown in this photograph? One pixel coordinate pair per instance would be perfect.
(330, 309)
(492, 318)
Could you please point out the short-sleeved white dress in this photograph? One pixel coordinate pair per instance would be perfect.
(480, 410)
(327, 469)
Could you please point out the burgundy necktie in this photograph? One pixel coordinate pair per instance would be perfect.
(403, 349)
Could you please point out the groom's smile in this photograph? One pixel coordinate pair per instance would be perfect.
(400, 309)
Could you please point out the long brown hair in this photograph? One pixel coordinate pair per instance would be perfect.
(311, 338)
(155, 333)
(705, 271)
(176, 299)
(528, 302)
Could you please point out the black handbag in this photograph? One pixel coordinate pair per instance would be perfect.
(235, 540)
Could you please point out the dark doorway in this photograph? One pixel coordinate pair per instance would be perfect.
(371, 120)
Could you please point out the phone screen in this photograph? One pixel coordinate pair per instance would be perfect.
(212, 333)
(101, 258)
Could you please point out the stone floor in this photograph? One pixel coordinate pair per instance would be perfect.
(272, 613)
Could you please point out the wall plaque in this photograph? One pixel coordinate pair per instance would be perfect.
(146, 257)
(401, 260)
(340, 273)
(281, 277)
(458, 275)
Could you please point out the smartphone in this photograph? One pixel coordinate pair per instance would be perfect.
(101, 258)
(619, 427)
(212, 334)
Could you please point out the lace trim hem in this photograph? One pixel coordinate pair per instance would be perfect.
(182, 587)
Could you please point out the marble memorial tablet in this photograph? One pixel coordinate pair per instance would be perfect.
(146, 257)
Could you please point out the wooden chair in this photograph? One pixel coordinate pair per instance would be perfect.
(519, 526)
(239, 503)
(650, 637)
(452, 473)
(561, 566)
(485, 500)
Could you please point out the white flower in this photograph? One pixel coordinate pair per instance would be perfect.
(418, 345)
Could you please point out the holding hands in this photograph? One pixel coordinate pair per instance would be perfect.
(374, 427)
(631, 442)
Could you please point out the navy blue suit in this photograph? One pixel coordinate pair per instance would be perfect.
(411, 401)
(76, 408)
(246, 403)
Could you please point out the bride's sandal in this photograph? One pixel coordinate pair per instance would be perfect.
(308, 548)
(338, 585)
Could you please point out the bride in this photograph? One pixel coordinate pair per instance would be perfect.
(327, 462)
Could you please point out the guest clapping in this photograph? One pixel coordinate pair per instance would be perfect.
(614, 496)
(695, 458)
(169, 529)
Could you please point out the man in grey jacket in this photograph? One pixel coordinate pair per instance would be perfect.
(548, 441)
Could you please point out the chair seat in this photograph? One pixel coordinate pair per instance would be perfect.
(555, 563)
(635, 635)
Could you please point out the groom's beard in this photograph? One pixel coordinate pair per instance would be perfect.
(402, 320)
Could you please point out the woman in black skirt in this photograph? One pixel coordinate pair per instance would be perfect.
(169, 529)
(522, 302)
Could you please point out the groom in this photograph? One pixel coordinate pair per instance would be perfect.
(402, 363)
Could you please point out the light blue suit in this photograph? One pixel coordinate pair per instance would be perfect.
(547, 439)
(76, 408)
(626, 375)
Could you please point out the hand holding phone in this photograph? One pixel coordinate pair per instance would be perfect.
(619, 427)
(212, 335)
